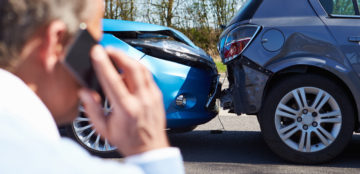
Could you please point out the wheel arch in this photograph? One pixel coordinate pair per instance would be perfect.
(316, 68)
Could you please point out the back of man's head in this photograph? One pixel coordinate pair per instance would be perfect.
(21, 19)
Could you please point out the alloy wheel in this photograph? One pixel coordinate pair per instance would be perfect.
(86, 133)
(308, 119)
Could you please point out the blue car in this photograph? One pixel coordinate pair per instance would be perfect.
(185, 74)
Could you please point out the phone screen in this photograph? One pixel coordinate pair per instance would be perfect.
(79, 62)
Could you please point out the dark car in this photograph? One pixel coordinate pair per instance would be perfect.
(296, 65)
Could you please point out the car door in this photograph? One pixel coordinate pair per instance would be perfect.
(342, 18)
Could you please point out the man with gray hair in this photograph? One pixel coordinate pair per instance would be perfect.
(38, 92)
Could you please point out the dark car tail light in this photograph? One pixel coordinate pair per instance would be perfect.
(235, 48)
(236, 41)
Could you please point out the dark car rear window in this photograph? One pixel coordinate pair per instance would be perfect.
(246, 11)
(340, 7)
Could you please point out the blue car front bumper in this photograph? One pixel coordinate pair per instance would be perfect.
(199, 86)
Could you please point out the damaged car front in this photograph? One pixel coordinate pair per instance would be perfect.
(185, 74)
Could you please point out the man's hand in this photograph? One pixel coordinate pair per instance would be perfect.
(137, 121)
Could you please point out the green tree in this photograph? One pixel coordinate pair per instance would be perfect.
(200, 20)
(120, 9)
(223, 10)
(166, 10)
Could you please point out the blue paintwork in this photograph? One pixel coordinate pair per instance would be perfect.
(110, 40)
(172, 78)
(169, 76)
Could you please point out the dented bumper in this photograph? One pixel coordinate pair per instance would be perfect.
(247, 83)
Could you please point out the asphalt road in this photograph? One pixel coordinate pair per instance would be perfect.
(241, 149)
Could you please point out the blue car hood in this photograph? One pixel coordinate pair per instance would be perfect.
(129, 36)
(111, 25)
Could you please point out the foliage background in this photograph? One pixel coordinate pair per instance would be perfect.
(200, 20)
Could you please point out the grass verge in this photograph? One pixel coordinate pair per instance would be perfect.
(220, 66)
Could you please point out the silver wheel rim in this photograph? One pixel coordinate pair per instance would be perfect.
(308, 119)
(85, 131)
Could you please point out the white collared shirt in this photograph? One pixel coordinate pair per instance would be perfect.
(30, 142)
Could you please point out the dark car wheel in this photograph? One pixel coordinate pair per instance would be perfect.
(83, 132)
(307, 119)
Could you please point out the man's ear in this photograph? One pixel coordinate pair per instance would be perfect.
(53, 44)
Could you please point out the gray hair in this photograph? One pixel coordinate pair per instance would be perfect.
(21, 19)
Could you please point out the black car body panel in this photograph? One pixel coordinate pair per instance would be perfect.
(296, 35)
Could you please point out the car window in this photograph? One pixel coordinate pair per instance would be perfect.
(246, 11)
(340, 7)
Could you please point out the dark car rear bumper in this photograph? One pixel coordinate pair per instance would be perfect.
(247, 83)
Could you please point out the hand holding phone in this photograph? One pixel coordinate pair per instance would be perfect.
(137, 121)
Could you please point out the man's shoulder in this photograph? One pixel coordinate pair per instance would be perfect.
(13, 91)
(21, 108)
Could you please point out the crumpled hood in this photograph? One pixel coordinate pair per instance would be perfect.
(111, 25)
(173, 51)
(158, 41)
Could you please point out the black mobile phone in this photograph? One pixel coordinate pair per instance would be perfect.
(79, 62)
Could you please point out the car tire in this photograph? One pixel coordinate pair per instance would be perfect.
(70, 133)
(83, 132)
(312, 132)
